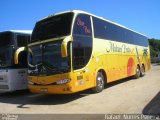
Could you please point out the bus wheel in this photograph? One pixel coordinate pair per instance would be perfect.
(142, 71)
(138, 73)
(99, 83)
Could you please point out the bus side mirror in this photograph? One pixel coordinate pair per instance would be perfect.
(64, 44)
(16, 55)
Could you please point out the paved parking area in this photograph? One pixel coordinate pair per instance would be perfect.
(126, 96)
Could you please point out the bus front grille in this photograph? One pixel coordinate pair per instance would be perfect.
(4, 87)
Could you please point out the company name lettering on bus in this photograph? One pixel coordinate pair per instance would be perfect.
(123, 48)
(82, 24)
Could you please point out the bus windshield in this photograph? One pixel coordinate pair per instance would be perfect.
(56, 26)
(6, 39)
(6, 49)
(6, 56)
(46, 59)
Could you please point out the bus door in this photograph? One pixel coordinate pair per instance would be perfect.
(81, 78)
(81, 49)
(79, 62)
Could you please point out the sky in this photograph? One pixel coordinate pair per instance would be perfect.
(139, 15)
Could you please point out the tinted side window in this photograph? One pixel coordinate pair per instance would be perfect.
(22, 40)
(107, 30)
(82, 25)
(82, 41)
(100, 28)
(138, 39)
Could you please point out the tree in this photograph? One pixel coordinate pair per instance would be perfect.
(154, 47)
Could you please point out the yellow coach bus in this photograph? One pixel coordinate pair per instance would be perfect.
(75, 50)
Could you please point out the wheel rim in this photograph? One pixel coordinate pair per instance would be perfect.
(143, 71)
(100, 82)
(138, 72)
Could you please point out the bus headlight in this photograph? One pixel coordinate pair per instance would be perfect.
(30, 82)
(63, 81)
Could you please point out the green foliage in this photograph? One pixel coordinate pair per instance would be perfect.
(154, 47)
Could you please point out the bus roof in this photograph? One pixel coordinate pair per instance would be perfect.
(79, 11)
(19, 31)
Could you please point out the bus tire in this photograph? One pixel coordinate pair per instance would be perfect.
(138, 72)
(142, 71)
(99, 83)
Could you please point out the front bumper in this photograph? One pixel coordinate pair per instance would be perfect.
(51, 89)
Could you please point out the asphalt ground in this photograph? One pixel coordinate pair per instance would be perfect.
(127, 96)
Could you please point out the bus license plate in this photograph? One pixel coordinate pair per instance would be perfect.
(43, 89)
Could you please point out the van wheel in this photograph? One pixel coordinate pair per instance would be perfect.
(99, 83)
(142, 71)
(138, 73)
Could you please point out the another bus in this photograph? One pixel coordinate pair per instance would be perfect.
(75, 50)
(13, 60)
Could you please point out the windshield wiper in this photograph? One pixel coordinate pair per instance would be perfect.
(52, 68)
(33, 69)
(45, 68)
